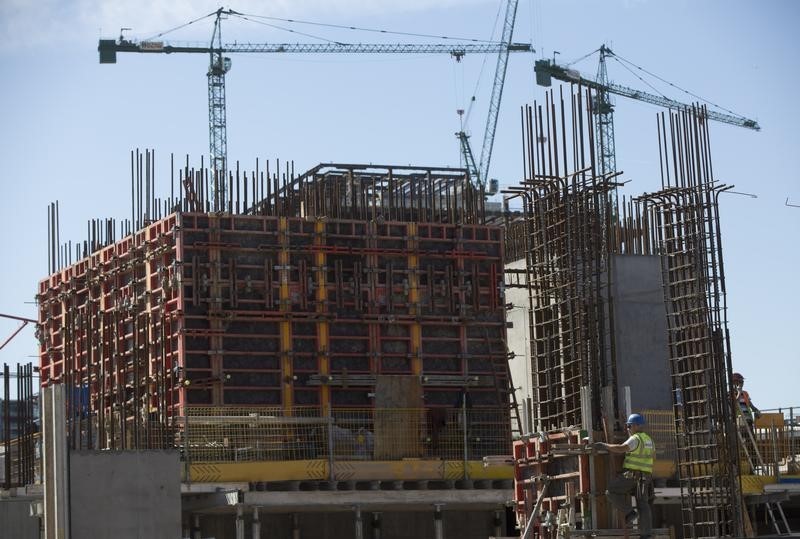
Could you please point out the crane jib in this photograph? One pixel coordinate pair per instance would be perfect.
(109, 47)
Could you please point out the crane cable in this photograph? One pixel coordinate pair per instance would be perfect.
(584, 57)
(656, 90)
(156, 36)
(483, 65)
(312, 36)
(621, 59)
(362, 29)
(246, 16)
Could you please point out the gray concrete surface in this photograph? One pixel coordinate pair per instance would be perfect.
(125, 495)
(641, 332)
(15, 520)
(379, 500)
(518, 338)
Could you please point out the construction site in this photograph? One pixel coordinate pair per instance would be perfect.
(396, 351)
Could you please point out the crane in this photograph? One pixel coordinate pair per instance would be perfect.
(547, 70)
(480, 170)
(220, 64)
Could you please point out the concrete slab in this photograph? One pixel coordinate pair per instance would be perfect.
(384, 500)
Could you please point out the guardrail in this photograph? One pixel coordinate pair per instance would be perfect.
(777, 435)
(225, 434)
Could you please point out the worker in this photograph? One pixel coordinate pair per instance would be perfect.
(746, 406)
(636, 478)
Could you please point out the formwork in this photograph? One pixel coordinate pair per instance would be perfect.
(313, 297)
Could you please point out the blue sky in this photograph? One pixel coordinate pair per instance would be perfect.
(70, 123)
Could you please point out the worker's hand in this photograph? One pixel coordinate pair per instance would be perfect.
(599, 445)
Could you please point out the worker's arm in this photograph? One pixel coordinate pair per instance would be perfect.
(612, 448)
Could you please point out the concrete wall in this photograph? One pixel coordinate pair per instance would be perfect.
(519, 340)
(125, 495)
(641, 332)
(15, 520)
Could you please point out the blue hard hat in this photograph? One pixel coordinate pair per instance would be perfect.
(635, 419)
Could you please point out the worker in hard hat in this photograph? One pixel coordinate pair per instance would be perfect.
(636, 478)
(748, 410)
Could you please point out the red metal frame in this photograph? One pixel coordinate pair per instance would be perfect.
(197, 309)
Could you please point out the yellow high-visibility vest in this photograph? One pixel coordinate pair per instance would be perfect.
(641, 459)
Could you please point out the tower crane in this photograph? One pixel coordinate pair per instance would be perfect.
(220, 64)
(480, 170)
(547, 70)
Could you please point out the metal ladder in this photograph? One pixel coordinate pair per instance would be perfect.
(500, 391)
(758, 467)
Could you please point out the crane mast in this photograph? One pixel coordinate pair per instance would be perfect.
(604, 127)
(219, 65)
(497, 92)
(217, 123)
(468, 157)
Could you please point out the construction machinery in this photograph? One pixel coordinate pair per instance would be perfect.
(480, 170)
(603, 107)
(220, 64)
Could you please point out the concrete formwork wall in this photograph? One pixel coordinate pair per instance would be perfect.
(125, 495)
(255, 310)
(641, 332)
(16, 521)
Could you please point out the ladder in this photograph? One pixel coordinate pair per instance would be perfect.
(747, 441)
(498, 373)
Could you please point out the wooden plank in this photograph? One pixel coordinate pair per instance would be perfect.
(398, 432)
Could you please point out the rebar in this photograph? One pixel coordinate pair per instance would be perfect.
(684, 216)
(566, 236)
(18, 420)
(569, 231)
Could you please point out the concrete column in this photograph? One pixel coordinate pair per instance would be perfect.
(55, 463)
(438, 525)
(498, 523)
(376, 526)
(359, 531)
(196, 527)
(256, 524)
(295, 526)
(239, 522)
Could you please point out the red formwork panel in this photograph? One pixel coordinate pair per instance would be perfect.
(241, 310)
(568, 476)
(110, 330)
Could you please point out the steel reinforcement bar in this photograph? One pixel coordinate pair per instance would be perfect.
(685, 223)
